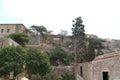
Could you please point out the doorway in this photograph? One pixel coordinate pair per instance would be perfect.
(105, 76)
(81, 71)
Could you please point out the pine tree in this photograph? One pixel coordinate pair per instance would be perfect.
(78, 33)
(78, 36)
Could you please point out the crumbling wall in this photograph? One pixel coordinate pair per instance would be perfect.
(109, 64)
(34, 40)
(61, 70)
(86, 70)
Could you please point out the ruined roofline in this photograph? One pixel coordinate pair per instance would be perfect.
(105, 57)
(13, 24)
(102, 57)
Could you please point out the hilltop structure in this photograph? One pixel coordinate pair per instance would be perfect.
(104, 67)
(6, 29)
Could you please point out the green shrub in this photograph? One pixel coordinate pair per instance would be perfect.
(53, 76)
(68, 77)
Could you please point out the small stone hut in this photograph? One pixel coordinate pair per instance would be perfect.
(104, 67)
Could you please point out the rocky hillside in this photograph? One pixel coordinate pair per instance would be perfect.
(111, 45)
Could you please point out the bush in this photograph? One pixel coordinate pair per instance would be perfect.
(53, 76)
(59, 54)
(68, 77)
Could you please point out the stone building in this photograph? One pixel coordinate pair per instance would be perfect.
(6, 29)
(91, 36)
(104, 67)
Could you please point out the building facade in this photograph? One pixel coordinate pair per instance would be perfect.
(104, 67)
(6, 29)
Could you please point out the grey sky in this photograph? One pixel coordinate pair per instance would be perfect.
(101, 17)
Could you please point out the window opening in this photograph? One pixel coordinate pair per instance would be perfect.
(8, 30)
(2, 30)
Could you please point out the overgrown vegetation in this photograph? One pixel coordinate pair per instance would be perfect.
(85, 49)
(20, 38)
(94, 44)
(37, 62)
(68, 77)
(59, 56)
(78, 34)
(34, 61)
(53, 76)
(13, 58)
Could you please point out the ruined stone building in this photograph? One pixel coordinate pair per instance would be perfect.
(104, 67)
(6, 29)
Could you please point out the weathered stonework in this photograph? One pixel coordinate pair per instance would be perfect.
(61, 70)
(7, 42)
(34, 40)
(85, 70)
(6, 29)
(104, 66)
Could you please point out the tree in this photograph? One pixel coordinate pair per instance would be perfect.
(37, 62)
(59, 55)
(78, 33)
(11, 60)
(48, 37)
(41, 30)
(94, 44)
(49, 32)
(17, 60)
(79, 38)
(20, 38)
(62, 34)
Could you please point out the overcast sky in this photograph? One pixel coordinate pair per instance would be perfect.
(100, 17)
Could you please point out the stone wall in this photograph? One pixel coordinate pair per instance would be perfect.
(34, 40)
(112, 46)
(7, 42)
(6, 29)
(61, 70)
(85, 70)
(20, 28)
(108, 64)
